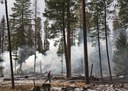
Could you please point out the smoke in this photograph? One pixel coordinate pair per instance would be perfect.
(77, 58)
(51, 61)
(6, 63)
(93, 58)
(24, 53)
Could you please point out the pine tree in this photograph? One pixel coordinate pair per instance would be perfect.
(3, 36)
(120, 55)
(96, 10)
(29, 37)
(39, 32)
(54, 12)
(21, 29)
(62, 8)
(123, 14)
(21, 18)
(121, 52)
(46, 36)
(2, 42)
(99, 15)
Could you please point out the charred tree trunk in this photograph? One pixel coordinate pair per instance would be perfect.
(107, 41)
(63, 20)
(0, 40)
(68, 66)
(65, 48)
(35, 34)
(68, 41)
(99, 46)
(9, 41)
(91, 70)
(85, 45)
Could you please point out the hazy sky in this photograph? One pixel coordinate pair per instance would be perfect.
(2, 7)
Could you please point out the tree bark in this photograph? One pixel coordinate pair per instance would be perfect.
(99, 48)
(85, 45)
(64, 39)
(35, 35)
(68, 41)
(9, 41)
(107, 41)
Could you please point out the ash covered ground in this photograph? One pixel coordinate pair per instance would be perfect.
(63, 84)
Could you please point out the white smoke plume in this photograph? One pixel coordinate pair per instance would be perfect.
(52, 62)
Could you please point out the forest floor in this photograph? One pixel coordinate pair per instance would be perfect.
(59, 84)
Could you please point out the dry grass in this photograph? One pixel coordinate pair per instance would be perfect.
(28, 87)
(17, 88)
(66, 84)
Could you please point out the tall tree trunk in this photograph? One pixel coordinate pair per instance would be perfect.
(85, 45)
(9, 41)
(107, 41)
(65, 45)
(0, 40)
(35, 34)
(68, 41)
(99, 46)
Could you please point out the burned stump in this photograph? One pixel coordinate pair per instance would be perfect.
(36, 88)
(46, 86)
